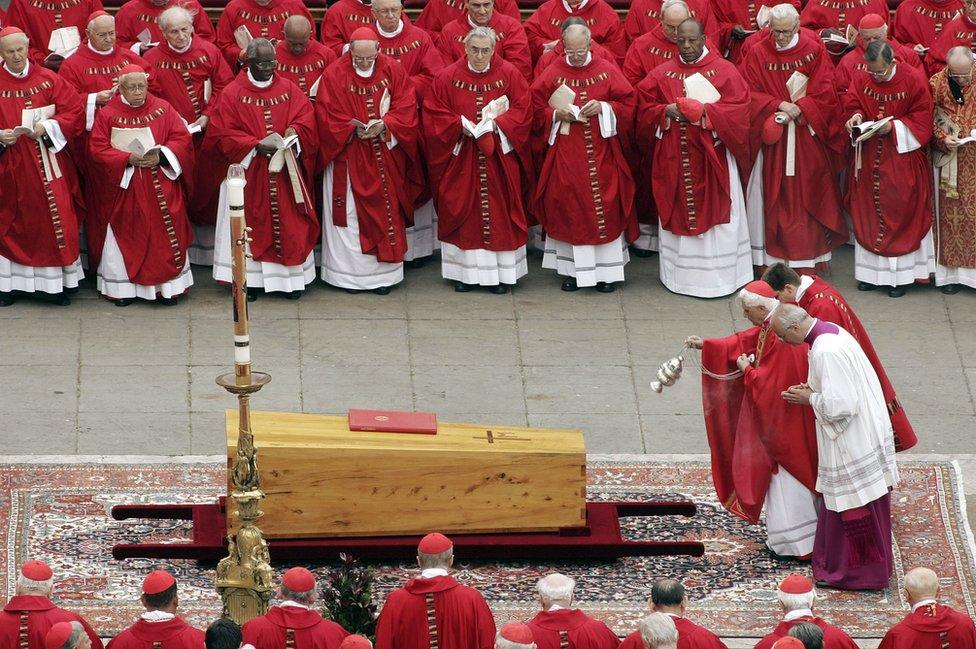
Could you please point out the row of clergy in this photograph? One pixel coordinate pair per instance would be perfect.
(597, 163)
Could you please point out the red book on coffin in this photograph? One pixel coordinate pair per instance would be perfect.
(393, 421)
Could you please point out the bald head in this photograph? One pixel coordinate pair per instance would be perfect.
(297, 32)
(576, 42)
(960, 63)
(556, 589)
(673, 13)
(920, 584)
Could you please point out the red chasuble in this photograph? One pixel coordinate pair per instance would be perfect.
(415, 50)
(462, 619)
(585, 189)
(478, 189)
(39, 217)
(750, 428)
(26, 619)
(823, 301)
(308, 629)
(854, 61)
(171, 634)
(833, 637)
(645, 15)
(378, 174)
(305, 69)
(559, 52)
(605, 27)
(802, 216)
(932, 626)
(261, 21)
(285, 228)
(649, 51)
(891, 223)
(838, 14)
(38, 18)
(512, 46)
(437, 13)
(572, 629)
(88, 71)
(341, 20)
(690, 636)
(919, 22)
(690, 182)
(959, 31)
(136, 16)
(728, 14)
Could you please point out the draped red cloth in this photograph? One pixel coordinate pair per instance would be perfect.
(479, 169)
(341, 20)
(39, 218)
(512, 46)
(263, 22)
(377, 174)
(958, 31)
(270, 631)
(802, 216)
(306, 68)
(645, 15)
(919, 22)
(415, 50)
(41, 615)
(558, 52)
(649, 51)
(284, 230)
(571, 209)
(39, 18)
(605, 27)
(932, 626)
(750, 429)
(823, 301)
(704, 183)
(690, 636)
(462, 619)
(853, 62)
(136, 16)
(728, 14)
(833, 637)
(580, 631)
(891, 223)
(170, 634)
(838, 14)
(437, 13)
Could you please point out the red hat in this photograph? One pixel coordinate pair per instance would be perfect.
(788, 642)
(762, 289)
(364, 34)
(157, 581)
(691, 108)
(793, 584)
(57, 635)
(871, 21)
(10, 31)
(98, 14)
(355, 642)
(434, 543)
(132, 68)
(772, 130)
(298, 580)
(516, 632)
(35, 570)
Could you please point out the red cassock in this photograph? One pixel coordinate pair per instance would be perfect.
(958, 31)
(306, 68)
(919, 22)
(169, 634)
(38, 18)
(932, 626)
(437, 13)
(728, 14)
(559, 52)
(462, 617)
(838, 14)
(649, 51)
(598, 211)
(39, 217)
(377, 174)
(39, 614)
(478, 190)
(341, 20)
(572, 629)
(853, 61)
(823, 301)
(308, 629)
(751, 430)
(692, 198)
(802, 216)
(136, 16)
(834, 638)
(284, 229)
(512, 45)
(415, 50)
(690, 636)
(605, 28)
(264, 22)
(645, 15)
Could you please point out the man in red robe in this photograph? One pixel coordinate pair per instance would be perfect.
(871, 28)
(668, 597)
(29, 615)
(437, 13)
(659, 45)
(824, 302)
(644, 15)
(930, 625)
(40, 212)
(559, 625)
(559, 52)
(265, 123)
(462, 619)
(544, 28)
(513, 46)
(587, 224)
(893, 230)
(244, 20)
(961, 30)
(792, 199)
(918, 23)
(137, 22)
(838, 14)
(514, 635)
(740, 22)
(159, 626)
(293, 622)
(148, 232)
(796, 598)
(67, 635)
(40, 20)
(482, 222)
(341, 20)
(301, 59)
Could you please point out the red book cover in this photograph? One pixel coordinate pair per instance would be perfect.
(393, 421)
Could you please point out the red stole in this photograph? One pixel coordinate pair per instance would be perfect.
(571, 629)
(90, 72)
(28, 618)
(416, 52)
(180, 79)
(932, 626)
(854, 61)
(306, 628)
(170, 634)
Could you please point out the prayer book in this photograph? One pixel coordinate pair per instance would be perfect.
(145, 39)
(242, 36)
(763, 16)
(393, 421)
(969, 139)
(562, 98)
(848, 39)
(700, 88)
(865, 130)
(64, 41)
(134, 140)
(207, 90)
(314, 90)
(29, 117)
(492, 110)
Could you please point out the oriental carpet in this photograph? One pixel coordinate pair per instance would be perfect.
(57, 510)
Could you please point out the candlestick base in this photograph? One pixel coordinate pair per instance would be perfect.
(229, 382)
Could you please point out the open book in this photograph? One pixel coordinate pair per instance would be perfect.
(848, 39)
(699, 88)
(29, 117)
(134, 140)
(865, 130)
(969, 139)
(64, 41)
(242, 36)
(489, 113)
(145, 39)
(279, 142)
(384, 109)
(562, 98)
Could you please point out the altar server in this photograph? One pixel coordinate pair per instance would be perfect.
(159, 627)
(293, 623)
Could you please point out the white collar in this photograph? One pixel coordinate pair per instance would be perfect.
(157, 616)
(109, 53)
(23, 73)
(367, 74)
(791, 44)
(589, 58)
(430, 573)
(554, 607)
(805, 282)
(924, 602)
(579, 8)
(474, 24)
(259, 84)
(674, 615)
(487, 67)
(703, 54)
(184, 50)
(293, 604)
(386, 34)
(798, 613)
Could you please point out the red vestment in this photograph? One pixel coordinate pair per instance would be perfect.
(545, 26)
(919, 22)
(690, 636)
(39, 217)
(437, 13)
(572, 629)
(838, 14)
(958, 31)
(479, 189)
(416, 52)
(461, 615)
(728, 14)
(854, 61)
(284, 229)
(692, 198)
(558, 52)
(169, 634)
(136, 16)
(40, 615)
(649, 51)
(823, 301)
(309, 630)
(833, 638)
(801, 213)
(38, 18)
(306, 68)
(341, 20)
(598, 211)
(645, 15)
(377, 174)
(931, 626)
(263, 22)
(512, 45)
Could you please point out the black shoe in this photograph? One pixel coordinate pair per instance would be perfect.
(605, 287)
(569, 284)
(71, 291)
(415, 263)
(61, 299)
(383, 290)
(896, 291)
(864, 286)
(461, 287)
(167, 301)
(252, 294)
(640, 252)
(950, 289)
(352, 291)
(6, 299)
(125, 301)
(294, 295)
(498, 289)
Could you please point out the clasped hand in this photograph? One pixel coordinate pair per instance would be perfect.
(151, 159)
(376, 130)
(797, 394)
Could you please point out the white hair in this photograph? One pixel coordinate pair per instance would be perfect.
(674, 3)
(439, 560)
(657, 630)
(796, 601)
(30, 586)
(24, 40)
(482, 32)
(503, 643)
(750, 299)
(556, 589)
(173, 15)
(76, 632)
(123, 77)
(790, 315)
(91, 23)
(784, 11)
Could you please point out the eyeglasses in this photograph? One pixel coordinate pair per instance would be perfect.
(783, 32)
(392, 11)
(579, 52)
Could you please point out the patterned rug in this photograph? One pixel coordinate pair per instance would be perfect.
(59, 512)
